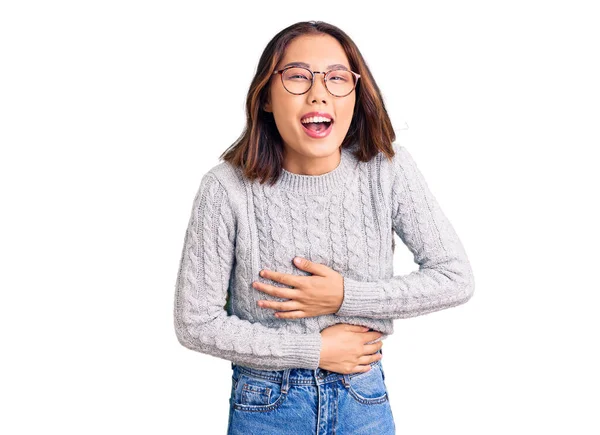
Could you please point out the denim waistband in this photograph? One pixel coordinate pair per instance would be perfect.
(298, 376)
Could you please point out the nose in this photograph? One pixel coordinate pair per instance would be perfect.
(318, 91)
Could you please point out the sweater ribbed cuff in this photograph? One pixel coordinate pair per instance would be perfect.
(360, 298)
(303, 351)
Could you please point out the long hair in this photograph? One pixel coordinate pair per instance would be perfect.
(259, 149)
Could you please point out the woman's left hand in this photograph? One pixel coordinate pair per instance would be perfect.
(320, 293)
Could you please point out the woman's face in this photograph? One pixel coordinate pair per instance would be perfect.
(318, 51)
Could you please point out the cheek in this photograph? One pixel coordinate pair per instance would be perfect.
(345, 113)
(283, 106)
(287, 125)
(347, 105)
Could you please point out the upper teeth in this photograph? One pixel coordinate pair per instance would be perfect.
(315, 119)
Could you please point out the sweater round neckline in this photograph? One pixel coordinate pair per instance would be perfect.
(318, 184)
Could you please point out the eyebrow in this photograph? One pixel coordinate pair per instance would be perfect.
(305, 65)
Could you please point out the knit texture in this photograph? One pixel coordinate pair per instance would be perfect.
(345, 219)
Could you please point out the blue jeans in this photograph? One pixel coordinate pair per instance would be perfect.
(309, 402)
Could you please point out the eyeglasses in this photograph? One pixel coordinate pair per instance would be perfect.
(298, 80)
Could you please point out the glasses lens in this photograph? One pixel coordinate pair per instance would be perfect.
(298, 80)
(340, 82)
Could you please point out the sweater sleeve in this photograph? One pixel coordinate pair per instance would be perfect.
(444, 279)
(201, 320)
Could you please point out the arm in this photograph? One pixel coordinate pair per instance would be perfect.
(444, 279)
(201, 322)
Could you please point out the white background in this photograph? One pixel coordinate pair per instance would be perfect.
(111, 112)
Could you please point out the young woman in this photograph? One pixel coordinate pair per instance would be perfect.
(315, 177)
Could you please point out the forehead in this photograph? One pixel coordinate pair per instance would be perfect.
(318, 51)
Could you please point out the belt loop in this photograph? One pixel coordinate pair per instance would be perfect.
(346, 380)
(285, 381)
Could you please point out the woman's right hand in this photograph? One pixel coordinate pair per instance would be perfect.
(344, 349)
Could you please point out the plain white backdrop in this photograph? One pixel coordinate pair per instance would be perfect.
(111, 112)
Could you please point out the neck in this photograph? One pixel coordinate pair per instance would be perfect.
(302, 165)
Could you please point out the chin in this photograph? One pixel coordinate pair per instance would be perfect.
(322, 148)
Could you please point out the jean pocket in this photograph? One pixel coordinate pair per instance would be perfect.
(257, 394)
(368, 388)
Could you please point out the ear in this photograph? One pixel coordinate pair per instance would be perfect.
(267, 106)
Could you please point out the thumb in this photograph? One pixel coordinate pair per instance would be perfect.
(358, 328)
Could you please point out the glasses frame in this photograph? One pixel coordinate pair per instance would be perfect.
(325, 74)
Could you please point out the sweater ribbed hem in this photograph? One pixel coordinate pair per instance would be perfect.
(303, 351)
(318, 184)
(360, 298)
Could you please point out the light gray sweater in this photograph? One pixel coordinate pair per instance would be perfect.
(345, 219)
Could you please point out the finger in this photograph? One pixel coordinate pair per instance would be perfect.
(283, 278)
(372, 348)
(362, 368)
(357, 328)
(371, 335)
(291, 314)
(368, 359)
(280, 306)
(311, 266)
(280, 292)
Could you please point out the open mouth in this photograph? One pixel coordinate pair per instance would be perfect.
(317, 130)
(317, 126)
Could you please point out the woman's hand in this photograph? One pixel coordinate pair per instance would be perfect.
(320, 293)
(344, 348)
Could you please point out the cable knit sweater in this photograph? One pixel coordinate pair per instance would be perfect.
(345, 219)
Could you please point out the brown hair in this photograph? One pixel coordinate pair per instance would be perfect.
(259, 149)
